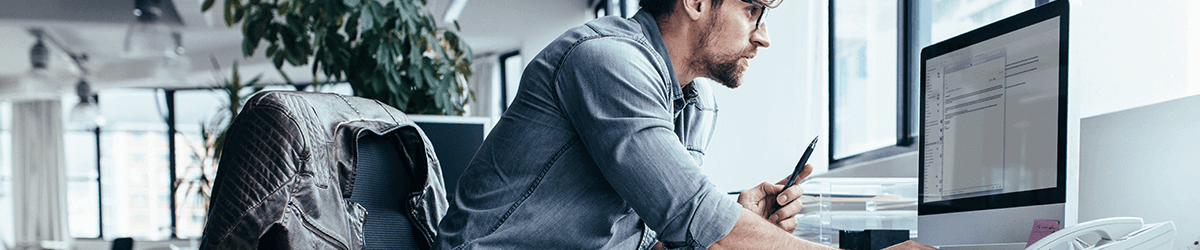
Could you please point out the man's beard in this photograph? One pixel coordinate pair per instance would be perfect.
(722, 68)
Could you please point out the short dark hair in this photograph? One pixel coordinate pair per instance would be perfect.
(662, 8)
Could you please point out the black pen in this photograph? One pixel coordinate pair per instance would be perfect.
(799, 167)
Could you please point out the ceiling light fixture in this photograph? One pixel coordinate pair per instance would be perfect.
(39, 83)
(155, 32)
(39, 55)
(86, 112)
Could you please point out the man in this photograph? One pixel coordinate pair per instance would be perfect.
(591, 154)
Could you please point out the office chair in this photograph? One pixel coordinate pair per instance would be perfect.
(312, 170)
(376, 188)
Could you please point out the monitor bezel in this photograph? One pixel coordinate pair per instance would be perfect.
(1055, 195)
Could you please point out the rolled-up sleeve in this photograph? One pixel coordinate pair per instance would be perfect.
(613, 93)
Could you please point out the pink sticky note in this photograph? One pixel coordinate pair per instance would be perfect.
(1041, 229)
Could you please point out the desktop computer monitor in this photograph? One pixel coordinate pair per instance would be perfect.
(993, 148)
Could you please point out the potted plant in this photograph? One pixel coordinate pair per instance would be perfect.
(391, 52)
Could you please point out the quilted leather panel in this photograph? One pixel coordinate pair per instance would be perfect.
(258, 160)
(290, 161)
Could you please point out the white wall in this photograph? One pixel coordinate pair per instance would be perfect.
(1126, 54)
(1147, 157)
(538, 33)
(764, 125)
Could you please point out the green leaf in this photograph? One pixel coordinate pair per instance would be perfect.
(371, 15)
(238, 10)
(353, 4)
(351, 26)
(207, 4)
(253, 30)
(380, 54)
(248, 47)
(278, 60)
(228, 14)
(272, 49)
(366, 18)
(296, 57)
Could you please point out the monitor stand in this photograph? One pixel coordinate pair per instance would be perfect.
(985, 229)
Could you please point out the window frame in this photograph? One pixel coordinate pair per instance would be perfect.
(907, 134)
(904, 106)
(503, 61)
(612, 8)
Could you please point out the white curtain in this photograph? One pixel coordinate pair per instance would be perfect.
(39, 175)
(481, 83)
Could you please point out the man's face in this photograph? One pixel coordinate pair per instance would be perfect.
(728, 41)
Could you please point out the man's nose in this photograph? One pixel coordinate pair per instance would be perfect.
(759, 37)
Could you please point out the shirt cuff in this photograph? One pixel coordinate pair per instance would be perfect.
(714, 218)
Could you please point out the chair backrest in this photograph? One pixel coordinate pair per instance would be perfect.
(299, 166)
(380, 183)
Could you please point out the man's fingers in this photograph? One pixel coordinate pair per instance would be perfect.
(789, 195)
(808, 169)
(788, 211)
(759, 196)
(788, 224)
(751, 195)
(769, 189)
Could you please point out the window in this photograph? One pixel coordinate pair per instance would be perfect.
(511, 66)
(134, 149)
(875, 49)
(6, 189)
(624, 8)
(193, 157)
(863, 75)
(83, 182)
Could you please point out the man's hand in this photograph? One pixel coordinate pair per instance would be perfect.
(762, 200)
(909, 245)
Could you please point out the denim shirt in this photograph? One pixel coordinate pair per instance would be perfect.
(589, 155)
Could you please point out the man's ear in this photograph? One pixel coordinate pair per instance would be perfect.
(694, 8)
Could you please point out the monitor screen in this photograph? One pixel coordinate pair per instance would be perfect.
(993, 115)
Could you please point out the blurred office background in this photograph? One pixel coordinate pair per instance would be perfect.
(116, 149)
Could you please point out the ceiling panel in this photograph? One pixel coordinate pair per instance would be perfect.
(98, 27)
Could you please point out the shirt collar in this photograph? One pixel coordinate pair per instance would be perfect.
(651, 31)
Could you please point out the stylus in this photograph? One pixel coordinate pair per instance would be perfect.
(800, 165)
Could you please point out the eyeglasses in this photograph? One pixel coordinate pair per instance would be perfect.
(762, 12)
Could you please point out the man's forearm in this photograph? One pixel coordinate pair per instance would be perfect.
(754, 232)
